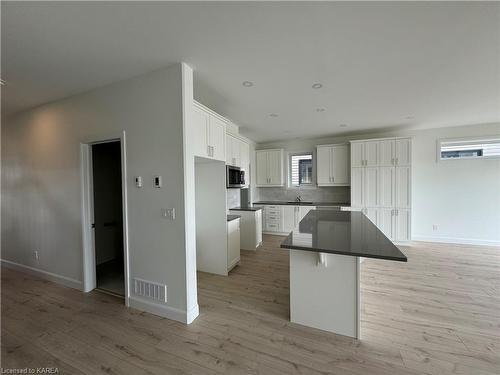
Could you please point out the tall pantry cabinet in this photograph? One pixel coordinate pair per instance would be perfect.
(381, 184)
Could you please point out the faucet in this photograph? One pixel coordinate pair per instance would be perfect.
(298, 199)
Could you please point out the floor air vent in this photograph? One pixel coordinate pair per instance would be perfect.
(151, 290)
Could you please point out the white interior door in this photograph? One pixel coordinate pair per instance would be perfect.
(386, 186)
(371, 153)
(323, 158)
(357, 184)
(403, 151)
(370, 190)
(217, 138)
(262, 168)
(357, 154)
(386, 152)
(340, 164)
(403, 186)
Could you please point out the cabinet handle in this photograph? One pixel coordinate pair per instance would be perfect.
(397, 212)
(333, 179)
(208, 150)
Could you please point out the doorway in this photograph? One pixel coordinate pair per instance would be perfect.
(108, 217)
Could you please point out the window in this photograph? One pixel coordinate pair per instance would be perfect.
(449, 149)
(301, 169)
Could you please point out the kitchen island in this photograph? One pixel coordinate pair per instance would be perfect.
(325, 250)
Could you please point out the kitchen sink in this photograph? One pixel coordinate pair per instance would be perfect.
(300, 202)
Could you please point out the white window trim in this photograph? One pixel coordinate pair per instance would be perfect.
(485, 139)
(311, 186)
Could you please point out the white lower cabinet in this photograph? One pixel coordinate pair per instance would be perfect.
(402, 224)
(233, 243)
(283, 218)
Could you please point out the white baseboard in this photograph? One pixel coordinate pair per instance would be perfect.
(457, 240)
(63, 280)
(163, 310)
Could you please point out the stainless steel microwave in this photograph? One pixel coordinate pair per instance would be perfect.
(235, 177)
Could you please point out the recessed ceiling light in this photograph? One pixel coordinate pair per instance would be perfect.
(317, 86)
(343, 125)
(273, 115)
(320, 110)
(247, 83)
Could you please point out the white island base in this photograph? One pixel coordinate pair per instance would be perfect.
(324, 291)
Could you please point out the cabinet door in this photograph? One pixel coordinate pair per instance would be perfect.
(323, 170)
(289, 218)
(229, 151)
(233, 243)
(357, 154)
(386, 186)
(245, 157)
(386, 222)
(357, 177)
(275, 167)
(402, 227)
(200, 124)
(236, 152)
(261, 168)
(370, 189)
(386, 152)
(403, 151)
(340, 165)
(371, 153)
(217, 138)
(402, 187)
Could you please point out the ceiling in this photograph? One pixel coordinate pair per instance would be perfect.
(382, 65)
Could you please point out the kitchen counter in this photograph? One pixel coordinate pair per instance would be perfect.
(233, 217)
(342, 232)
(249, 208)
(307, 203)
(325, 250)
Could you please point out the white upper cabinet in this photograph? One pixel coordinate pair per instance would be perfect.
(209, 134)
(217, 138)
(371, 186)
(332, 165)
(357, 184)
(386, 186)
(371, 153)
(269, 167)
(403, 152)
(233, 151)
(386, 152)
(245, 156)
(357, 154)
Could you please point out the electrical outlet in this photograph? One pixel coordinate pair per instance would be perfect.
(35, 255)
(168, 213)
(434, 227)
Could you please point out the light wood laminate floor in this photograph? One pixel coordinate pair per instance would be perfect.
(437, 314)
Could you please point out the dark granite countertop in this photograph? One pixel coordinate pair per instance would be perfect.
(342, 232)
(306, 203)
(233, 217)
(249, 208)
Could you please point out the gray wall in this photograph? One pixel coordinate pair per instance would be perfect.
(41, 191)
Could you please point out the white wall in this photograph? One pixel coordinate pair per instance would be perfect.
(462, 197)
(41, 207)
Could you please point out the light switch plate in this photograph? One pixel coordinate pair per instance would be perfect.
(138, 181)
(157, 181)
(168, 213)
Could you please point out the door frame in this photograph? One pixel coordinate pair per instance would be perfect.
(88, 240)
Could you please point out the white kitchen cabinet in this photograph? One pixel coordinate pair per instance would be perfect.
(233, 243)
(381, 184)
(357, 185)
(402, 225)
(403, 152)
(245, 158)
(289, 218)
(232, 151)
(269, 168)
(283, 219)
(209, 134)
(386, 194)
(402, 187)
(332, 165)
(370, 187)
(250, 228)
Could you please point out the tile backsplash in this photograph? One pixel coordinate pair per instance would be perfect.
(232, 198)
(341, 194)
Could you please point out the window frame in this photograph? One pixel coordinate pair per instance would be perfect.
(486, 139)
(312, 185)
